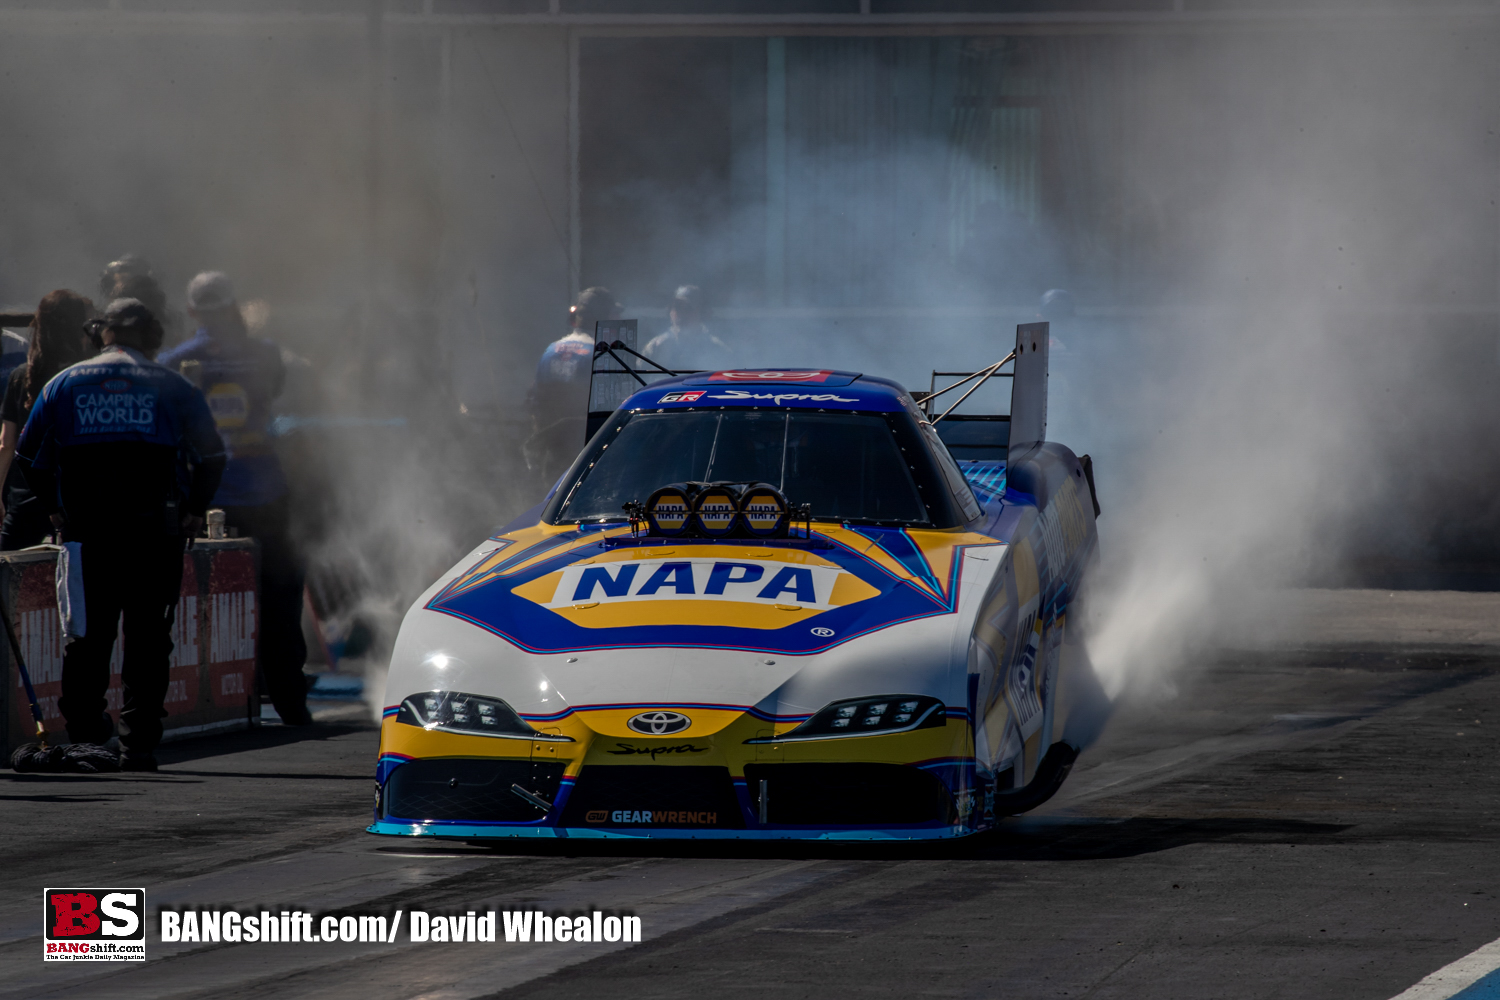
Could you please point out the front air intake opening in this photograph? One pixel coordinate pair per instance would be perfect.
(848, 795)
(471, 789)
(640, 796)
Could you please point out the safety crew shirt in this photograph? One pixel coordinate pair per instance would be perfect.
(689, 348)
(561, 388)
(240, 376)
(121, 444)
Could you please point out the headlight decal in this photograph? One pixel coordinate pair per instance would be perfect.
(470, 714)
(883, 714)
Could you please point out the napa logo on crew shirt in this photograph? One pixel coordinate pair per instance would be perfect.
(94, 925)
(230, 405)
(113, 405)
(758, 582)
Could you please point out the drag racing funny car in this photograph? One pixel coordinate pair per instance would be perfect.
(761, 604)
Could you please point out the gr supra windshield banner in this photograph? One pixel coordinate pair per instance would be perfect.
(770, 376)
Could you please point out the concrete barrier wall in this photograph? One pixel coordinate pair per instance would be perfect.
(216, 636)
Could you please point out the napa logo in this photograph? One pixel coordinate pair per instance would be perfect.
(766, 583)
(230, 405)
(669, 512)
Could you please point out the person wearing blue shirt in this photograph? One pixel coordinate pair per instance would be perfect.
(688, 345)
(240, 376)
(124, 457)
(558, 399)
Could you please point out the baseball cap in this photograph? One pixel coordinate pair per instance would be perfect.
(127, 314)
(126, 266)
(210, 290)
(130, 263)
(594, 304)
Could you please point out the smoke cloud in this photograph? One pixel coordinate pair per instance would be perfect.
(1309, 411)
(1282, 238)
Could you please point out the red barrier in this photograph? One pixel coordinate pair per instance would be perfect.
(212, 683)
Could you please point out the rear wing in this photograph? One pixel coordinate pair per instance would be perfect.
(984, 437)
(995, 437)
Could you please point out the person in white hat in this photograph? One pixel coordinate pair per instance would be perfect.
(688, 345)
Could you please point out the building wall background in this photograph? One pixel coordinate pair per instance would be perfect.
(416, 197)
(914, 169)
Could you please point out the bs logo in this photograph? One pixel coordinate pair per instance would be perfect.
(76, 916)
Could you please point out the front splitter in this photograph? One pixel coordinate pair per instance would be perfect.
(464, 831)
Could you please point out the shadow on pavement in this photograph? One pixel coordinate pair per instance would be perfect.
(275, 775)
(261, 738)
(69, 799)
(1098, 839)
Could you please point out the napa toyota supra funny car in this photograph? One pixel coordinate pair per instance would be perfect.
(761, 604)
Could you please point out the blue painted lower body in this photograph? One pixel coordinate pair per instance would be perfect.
(506, 831)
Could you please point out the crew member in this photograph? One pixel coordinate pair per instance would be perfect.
(687, 345)
(130, 277)
(117, 272)
(240, 375)
(144, 288)
(558, 399)
(57, 341)
(124, 457)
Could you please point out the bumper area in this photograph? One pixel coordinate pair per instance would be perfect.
(729, 784)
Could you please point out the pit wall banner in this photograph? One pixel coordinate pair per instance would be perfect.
(215, 638)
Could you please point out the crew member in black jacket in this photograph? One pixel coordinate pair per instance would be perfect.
(124, 455)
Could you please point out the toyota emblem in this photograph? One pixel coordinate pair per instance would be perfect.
(659, 723)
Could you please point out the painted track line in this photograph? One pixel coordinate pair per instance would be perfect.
(1476, 976)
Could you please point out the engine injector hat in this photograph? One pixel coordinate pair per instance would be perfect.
(716, 510)
(669, 510)
(763, 511)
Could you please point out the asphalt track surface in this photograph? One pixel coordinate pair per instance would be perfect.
(1313, 818)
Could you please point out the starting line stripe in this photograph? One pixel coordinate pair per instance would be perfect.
(1476, 976)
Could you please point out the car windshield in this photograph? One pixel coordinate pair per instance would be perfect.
(846, 465)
